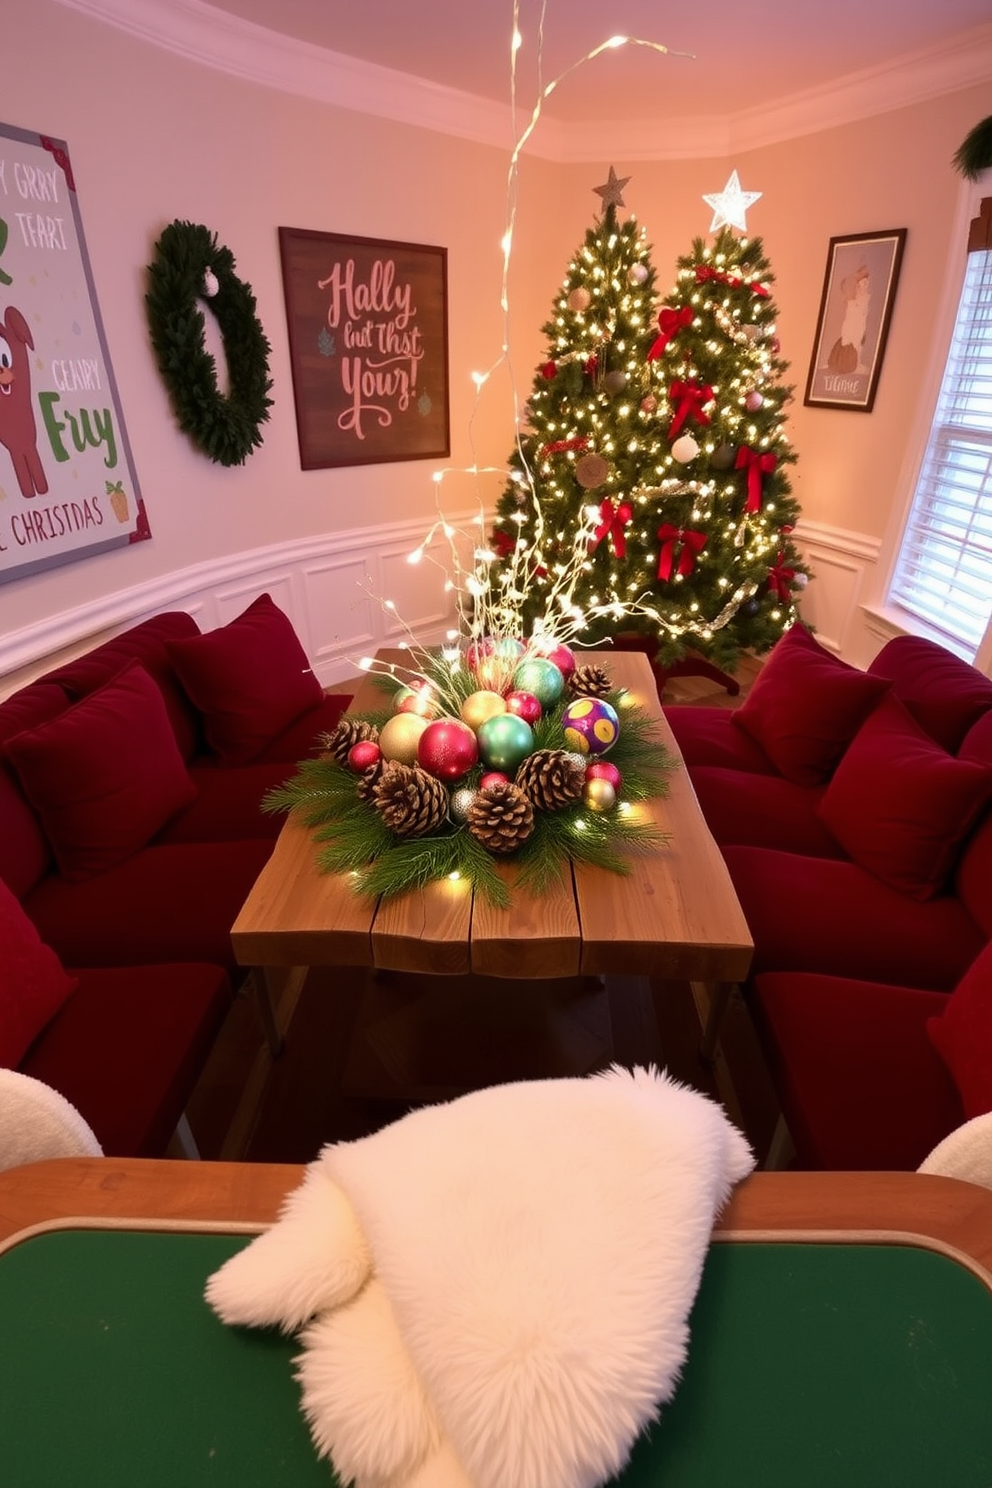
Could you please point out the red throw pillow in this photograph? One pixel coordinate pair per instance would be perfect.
(250, 679)
(105, 775)
(901, 806)
(962, 1035)
(33, 984)
(806, 706)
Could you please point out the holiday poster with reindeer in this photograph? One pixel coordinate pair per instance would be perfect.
(68, 488)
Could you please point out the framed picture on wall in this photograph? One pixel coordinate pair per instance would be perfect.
(368, 342)
(855, 309)
(68, 487)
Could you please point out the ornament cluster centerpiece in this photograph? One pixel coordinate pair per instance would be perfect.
(499, 745)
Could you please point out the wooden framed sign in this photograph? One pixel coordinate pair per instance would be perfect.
(68, 488)
(368, 341)
(859, 288)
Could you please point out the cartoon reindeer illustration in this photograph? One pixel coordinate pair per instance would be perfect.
(17, 426)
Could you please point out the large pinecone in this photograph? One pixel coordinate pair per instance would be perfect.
(501, 818)
(551, 779)
(410, 801)
(348, 732)
(590, 681)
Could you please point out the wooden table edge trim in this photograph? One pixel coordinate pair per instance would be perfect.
(66, 1191)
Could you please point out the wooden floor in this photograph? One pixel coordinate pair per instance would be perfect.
(362, 1048)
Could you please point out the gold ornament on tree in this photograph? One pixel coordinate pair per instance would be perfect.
(501, 818)
(410, 802)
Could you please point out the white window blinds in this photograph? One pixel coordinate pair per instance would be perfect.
(944, 572)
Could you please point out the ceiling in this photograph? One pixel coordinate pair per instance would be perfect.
(739, 57)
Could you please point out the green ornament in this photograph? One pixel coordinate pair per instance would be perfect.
(542, 678)
(505, 741)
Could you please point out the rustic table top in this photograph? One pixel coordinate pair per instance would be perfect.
(675, 915)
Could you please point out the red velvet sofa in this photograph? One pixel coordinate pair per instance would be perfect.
(131, 830)
(854, 811)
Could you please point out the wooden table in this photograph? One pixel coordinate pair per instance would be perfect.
(675, 916)
(842, 1334)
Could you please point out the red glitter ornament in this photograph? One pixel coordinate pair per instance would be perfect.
(525, 705)
(447, 749)
(363, 755)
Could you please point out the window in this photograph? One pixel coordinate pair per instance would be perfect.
(943, 574)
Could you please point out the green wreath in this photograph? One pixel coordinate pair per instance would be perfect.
(224, 427)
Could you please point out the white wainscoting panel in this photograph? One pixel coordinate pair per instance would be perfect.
(333, 588)
(842, 564)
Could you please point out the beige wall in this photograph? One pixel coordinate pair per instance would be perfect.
(154, 137)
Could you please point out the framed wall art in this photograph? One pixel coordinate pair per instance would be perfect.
(368, 341)
(855, 309)
(68, 487)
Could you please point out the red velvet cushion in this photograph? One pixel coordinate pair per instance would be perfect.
(829, 915)
(962, 1036)
(250, 679)
(859, 1083)
(128, 1048)
(33, 984)
(945, 694)
(901, 806)
(805, 707)
(105, 775)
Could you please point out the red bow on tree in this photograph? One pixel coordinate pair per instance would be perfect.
(705, 273)
(558, 445)
(757, 464)
(692, 543)
(503, 543)
(780, 578)
(690, 397)
(670, 322)
(612, 520)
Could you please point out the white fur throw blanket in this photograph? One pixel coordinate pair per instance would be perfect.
(494, 1293)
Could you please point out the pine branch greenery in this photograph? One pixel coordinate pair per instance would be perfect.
(974, 154)
(351, 837)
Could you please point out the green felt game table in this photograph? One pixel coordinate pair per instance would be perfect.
(842, 1336)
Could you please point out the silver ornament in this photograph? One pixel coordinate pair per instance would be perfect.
(460, 803)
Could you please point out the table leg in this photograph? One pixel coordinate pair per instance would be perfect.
(718, 995)
(266, 996)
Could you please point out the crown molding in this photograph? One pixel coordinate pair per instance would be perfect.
(203, 34)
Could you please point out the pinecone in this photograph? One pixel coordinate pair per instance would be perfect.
(590, 681)
(369, 779)
(550, 779)
(348, 732)
(501, 818)
(410, 801)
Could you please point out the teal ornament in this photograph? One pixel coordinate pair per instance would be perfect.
(541, 677)
(505, 741)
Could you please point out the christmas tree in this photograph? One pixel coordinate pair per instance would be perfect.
(655, 438)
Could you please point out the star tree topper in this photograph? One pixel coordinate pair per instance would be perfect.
(730, 205)
(611, 192)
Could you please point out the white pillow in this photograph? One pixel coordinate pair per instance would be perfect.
(37, 1123)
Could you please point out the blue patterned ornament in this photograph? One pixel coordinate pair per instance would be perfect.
(591, 726)
(541, 677)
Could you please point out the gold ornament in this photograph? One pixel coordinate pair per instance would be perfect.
(399, 737)
(599, 795)
(479, 706)
(591, 471)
